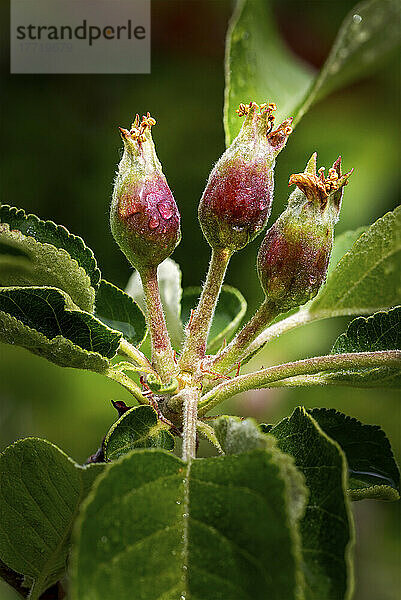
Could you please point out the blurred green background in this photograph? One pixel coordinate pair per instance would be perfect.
(60, 149)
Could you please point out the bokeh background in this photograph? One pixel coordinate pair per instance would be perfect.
(60, 149)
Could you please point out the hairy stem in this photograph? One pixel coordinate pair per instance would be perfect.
(237, 349)
(162, 352)
(308, 366)
(301, 317)
(127, 382)
(199, 325)
(128, 350)
(190, 398)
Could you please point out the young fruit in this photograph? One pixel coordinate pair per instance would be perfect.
(236, 203)
(294, 256)
(144, 217)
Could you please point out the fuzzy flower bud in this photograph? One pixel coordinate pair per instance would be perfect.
(294, 256)
(236, 203)
(144, 217)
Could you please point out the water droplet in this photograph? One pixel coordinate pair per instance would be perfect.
(166, 210)
(178, 502)
(182, 597)
(357, 18)
(153, 222)
(185, 515)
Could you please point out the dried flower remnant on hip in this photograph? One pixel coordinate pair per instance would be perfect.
(294, 256)
(236, 203)
(144, 217)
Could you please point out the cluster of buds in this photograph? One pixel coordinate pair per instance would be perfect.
(144, 217)
(234, 208)
(294, 256)
(236, 203)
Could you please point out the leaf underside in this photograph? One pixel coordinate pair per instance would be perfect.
(46, 322)
(36, 252)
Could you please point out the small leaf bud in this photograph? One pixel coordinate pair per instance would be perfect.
(144, 217)
(236, 202)
(293, 258)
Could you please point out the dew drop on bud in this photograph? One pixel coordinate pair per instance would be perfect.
(153, 222)
(165, 210)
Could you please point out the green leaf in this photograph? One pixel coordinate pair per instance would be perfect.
(40, 493)
(230, 310)
(373, 472)
(259, 67)
(381, 331)
(217, 528)
(46, 322)
(327, 530)
(139, 427)
(119, 311)
(365, 279)
(35, 252)
(369, 32)
(238, 435)
(343, 244)
(169, 276)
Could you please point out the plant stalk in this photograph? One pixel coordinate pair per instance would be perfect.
(128, 350)
(127, 382)
(199, 325)
(162, 352)
(308, 366)
(190, 397)
(236, 349)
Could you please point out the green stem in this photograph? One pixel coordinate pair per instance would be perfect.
(198, 328)
(162, 352)
(127, 382)
(237, 349)
(308, 366)
(301, 317)
(190, 398)
(130, 351)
